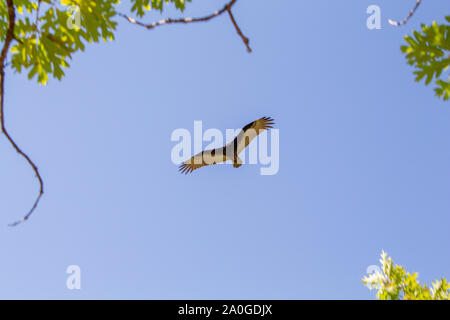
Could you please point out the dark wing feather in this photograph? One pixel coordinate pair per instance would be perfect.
(204, 158)
(250, 131)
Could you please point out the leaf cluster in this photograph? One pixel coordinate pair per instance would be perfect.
(392, 282)
(428, 51)
(50, 32)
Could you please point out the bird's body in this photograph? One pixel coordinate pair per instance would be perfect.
(231, 150)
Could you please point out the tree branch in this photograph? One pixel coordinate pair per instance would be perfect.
(238, 30)
(411, 13)
(4, 52)
(226, 8)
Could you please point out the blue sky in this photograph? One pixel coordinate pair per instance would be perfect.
(364, 160)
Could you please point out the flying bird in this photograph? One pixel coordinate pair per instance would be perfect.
(231, 150)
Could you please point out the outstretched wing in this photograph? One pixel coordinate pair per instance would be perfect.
(201, 159)
(250, 131)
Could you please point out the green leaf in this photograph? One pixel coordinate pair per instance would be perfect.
(141, 6)
(429, 53)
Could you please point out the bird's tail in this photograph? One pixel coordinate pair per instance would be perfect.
(237, 163)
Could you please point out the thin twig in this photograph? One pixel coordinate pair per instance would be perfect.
(38, 32)
(238, 30)
(37, 16)
(226, 8)
(411, 13)
(8, 39)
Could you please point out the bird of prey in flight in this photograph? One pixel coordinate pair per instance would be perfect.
(231, 150)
